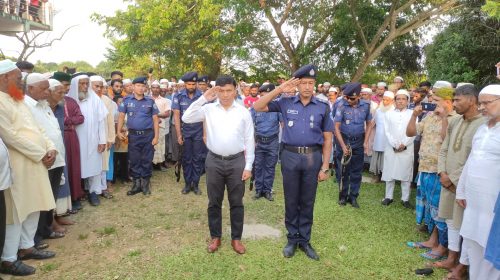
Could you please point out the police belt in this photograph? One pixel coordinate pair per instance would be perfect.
(229, 157)
(266, 139)
(302, 150)
(139, 132)
(353, 137)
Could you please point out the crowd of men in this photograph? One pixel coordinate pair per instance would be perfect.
(76, 134)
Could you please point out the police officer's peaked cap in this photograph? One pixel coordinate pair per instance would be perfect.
(140, 80)
(267, 88)
(351, 89)
(190, 77)
(203, 79)
(307, 71)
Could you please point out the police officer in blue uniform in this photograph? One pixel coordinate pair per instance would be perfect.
(351, 117)
(267, 125)
(190, 136)
(143, 130)
(307, 143)
(203, 83)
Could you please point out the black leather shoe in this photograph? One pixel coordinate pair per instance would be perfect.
(257, 195)
(186, 189)
(387, 201)
(136, 187)
(196, 189)
(342, 202)
(269, 196)
(17, 268)
(289, 250)
(406, 204)
(146, 186)
(354, 203)
(309, 250)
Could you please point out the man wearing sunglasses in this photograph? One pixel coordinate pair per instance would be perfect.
(351, 119)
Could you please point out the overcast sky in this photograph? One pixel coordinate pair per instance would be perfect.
(83, 42)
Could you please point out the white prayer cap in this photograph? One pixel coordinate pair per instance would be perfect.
(463, 84)
(327, 84)
(34, 78)
(381, 84)
(399, 78)
(212, 83)
(163, 86)
(389, 94)
(163, 81)
(367, 90)
(155, 83)
(171, 84)
(53, 83)
(95, 78)
(491, 89)
(442, 84)
(127, 81)
(181, 82)
(332, 89)
(6, 66)
(402, 92)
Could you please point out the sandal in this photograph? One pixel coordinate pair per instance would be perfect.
(429, 255)
(107, 195)
(56, 235)
(17, 268)
(42, 246)
(416, 245)
(73, 211)
(36, 254)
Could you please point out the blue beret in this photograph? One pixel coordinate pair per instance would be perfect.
(140, 80)
(307, 71)
(203, 79)
(267, 88)
(351, 89)
(190, 77)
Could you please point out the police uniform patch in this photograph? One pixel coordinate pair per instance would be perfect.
(290, 123)
(311, 72)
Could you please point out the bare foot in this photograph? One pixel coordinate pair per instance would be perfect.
(64, 221)
(57, 227)
(445, 264)
(459, 272)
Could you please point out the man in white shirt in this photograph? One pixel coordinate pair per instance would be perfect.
(479, 187)
(36, 100)
(398, 153)
(230, 141)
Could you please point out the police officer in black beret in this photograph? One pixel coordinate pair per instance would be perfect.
(307, 144)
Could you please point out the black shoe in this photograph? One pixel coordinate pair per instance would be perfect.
(342, 202)
(136, 187)
(354, 203)
(289, 250)
(406, 204)
(146, 186)
(257, 195)
(269, 196)
(387, 201)
(196, 189)
(186, 189)
(309, 250)
(94, 199)
(17, 268)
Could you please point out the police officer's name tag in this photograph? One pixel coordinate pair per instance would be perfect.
(293, 112)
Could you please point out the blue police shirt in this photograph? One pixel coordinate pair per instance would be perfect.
(139, 112)
(352, 119)
(303, 125)
(181, 102)
(266, 123)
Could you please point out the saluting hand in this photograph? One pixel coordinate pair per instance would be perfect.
(211, 94)
(290, 85)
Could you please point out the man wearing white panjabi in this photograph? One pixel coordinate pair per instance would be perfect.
(92, 134)
(398, 153)
(479, 187)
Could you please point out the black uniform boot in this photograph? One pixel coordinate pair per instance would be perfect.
(136, 187)
(196, 189)
(146, 186)
(186, 189)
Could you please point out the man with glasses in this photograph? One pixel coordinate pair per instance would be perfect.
(351, 121)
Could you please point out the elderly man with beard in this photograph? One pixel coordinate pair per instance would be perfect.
(91, 134)
(128, 88)
(164, 108)
(378, 130)
(72, 118)
(398, 153)
(36, 99)
(31, 152)
(97, 83)
(379, 93)
(478, 189)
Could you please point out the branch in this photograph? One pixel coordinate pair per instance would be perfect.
(53, 40)
(425, 17)
(286, 13)
(358, 26)
(303, 35)
(384, 25)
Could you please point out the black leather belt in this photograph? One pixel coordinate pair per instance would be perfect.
(266, 139)
(302, 150)
(229, 157)
(139, 132)
(353, 137)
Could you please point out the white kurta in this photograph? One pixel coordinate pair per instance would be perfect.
(479, 184)
(397, 166)
(5, 170)
(380, 140)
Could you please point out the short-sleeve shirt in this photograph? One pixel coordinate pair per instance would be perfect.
(303, 125)
(266, 123)
(250, 100)
(352, 119)
(181, 102)
(139, 112)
